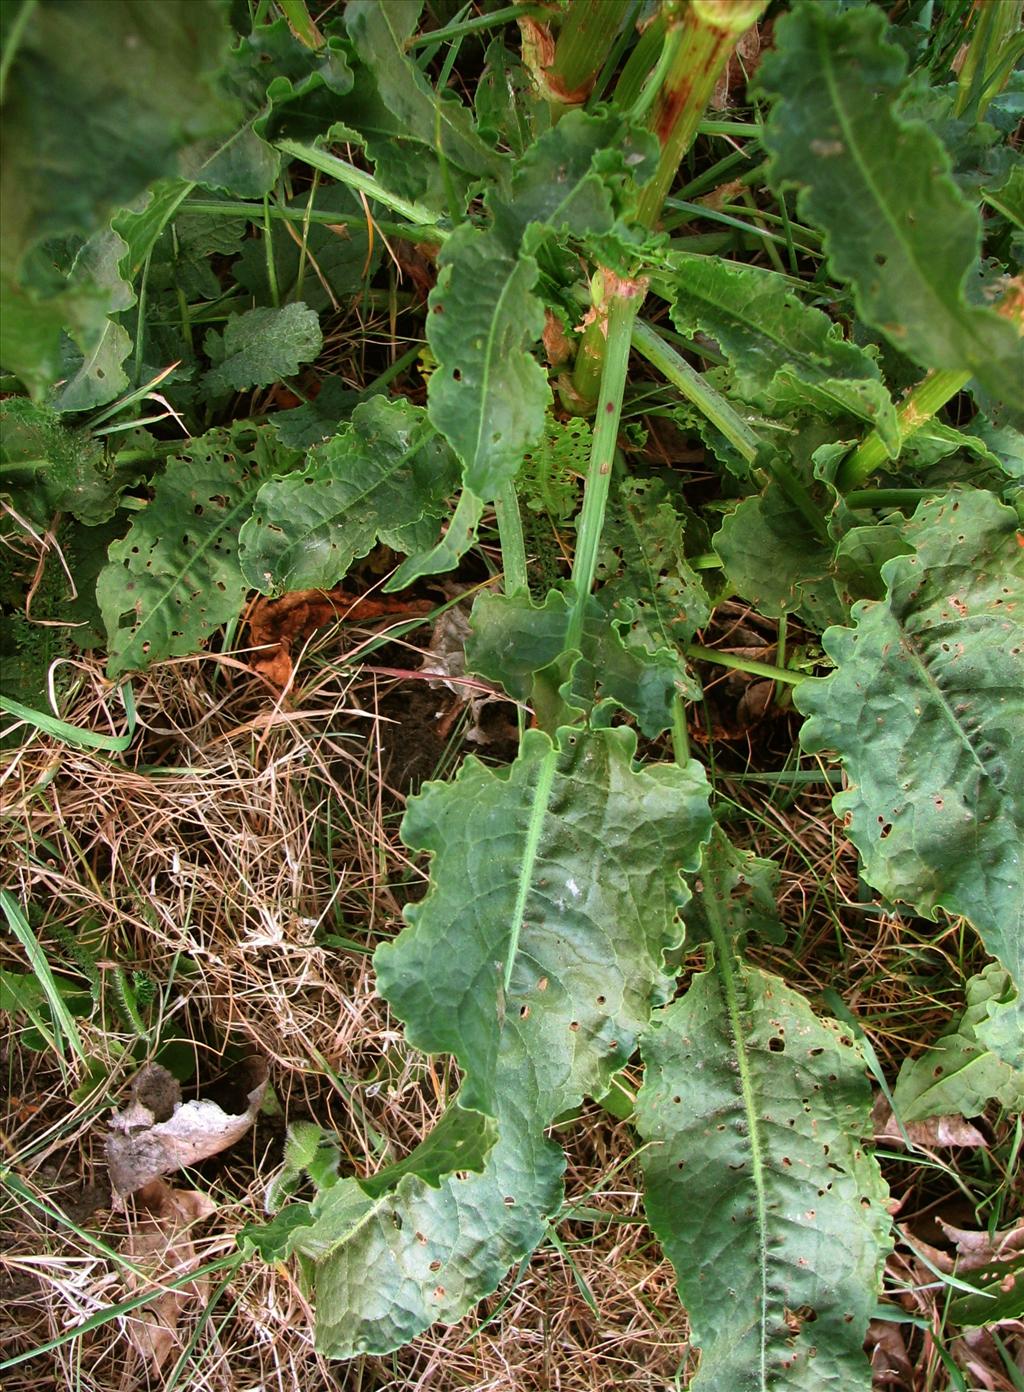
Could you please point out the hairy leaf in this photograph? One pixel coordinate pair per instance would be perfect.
(260, 347)
(785, 354)
(737, 888)
(551, 972)
(176, 576)
(384, 477)
(488, 394)
(925, 710)
(879, 186)
(757, 1182)
(47, 467)
(958, 1073)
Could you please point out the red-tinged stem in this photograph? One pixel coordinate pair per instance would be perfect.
(703, 40)
(565, 68)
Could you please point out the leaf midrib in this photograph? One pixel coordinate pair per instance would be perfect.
(724, 962)
(853, 145)
(487, 365)
(362, 454)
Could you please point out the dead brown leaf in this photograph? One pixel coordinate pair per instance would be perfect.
(279, 627)
(162, 1249)
(977, 1249)
(156, 1133)
(932, 1132)
(891, 1368)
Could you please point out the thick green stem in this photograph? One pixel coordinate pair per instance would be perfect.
(929, 396)
(744, 664)
(680, 734)
(565, 68)
(623, 302)
(709, 402)
(993, 51)
(707, 35)
(579, 394)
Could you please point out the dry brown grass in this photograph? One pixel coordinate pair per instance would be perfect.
(204, 859)
(244, 856)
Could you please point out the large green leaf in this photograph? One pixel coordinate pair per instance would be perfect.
(757, 1181)
(775, 545)
(784, 353)
(958, 1073)
(384, 477)
(176, 576)
(379, 30)
(554, 891)
(879, 185)
(488, 394)
(926, 711)
(521, 645)
(260, 347)
(99, 98)
(576, 179)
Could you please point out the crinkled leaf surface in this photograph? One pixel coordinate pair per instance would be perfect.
(646, 581)
(926, 710)
(383, 477)
(738, 887)
(958, 1073)
(488, 394)
(576, 179)
(260, 347)
(554, 891)
(785, 354)
(757, 1182)
(879, 186)
(176, 575)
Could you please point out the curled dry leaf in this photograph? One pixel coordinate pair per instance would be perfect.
(891, 1368)
(156, 1133)
(977, 1249)
(279, 627)
(161, 1248)
(934, 1131)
